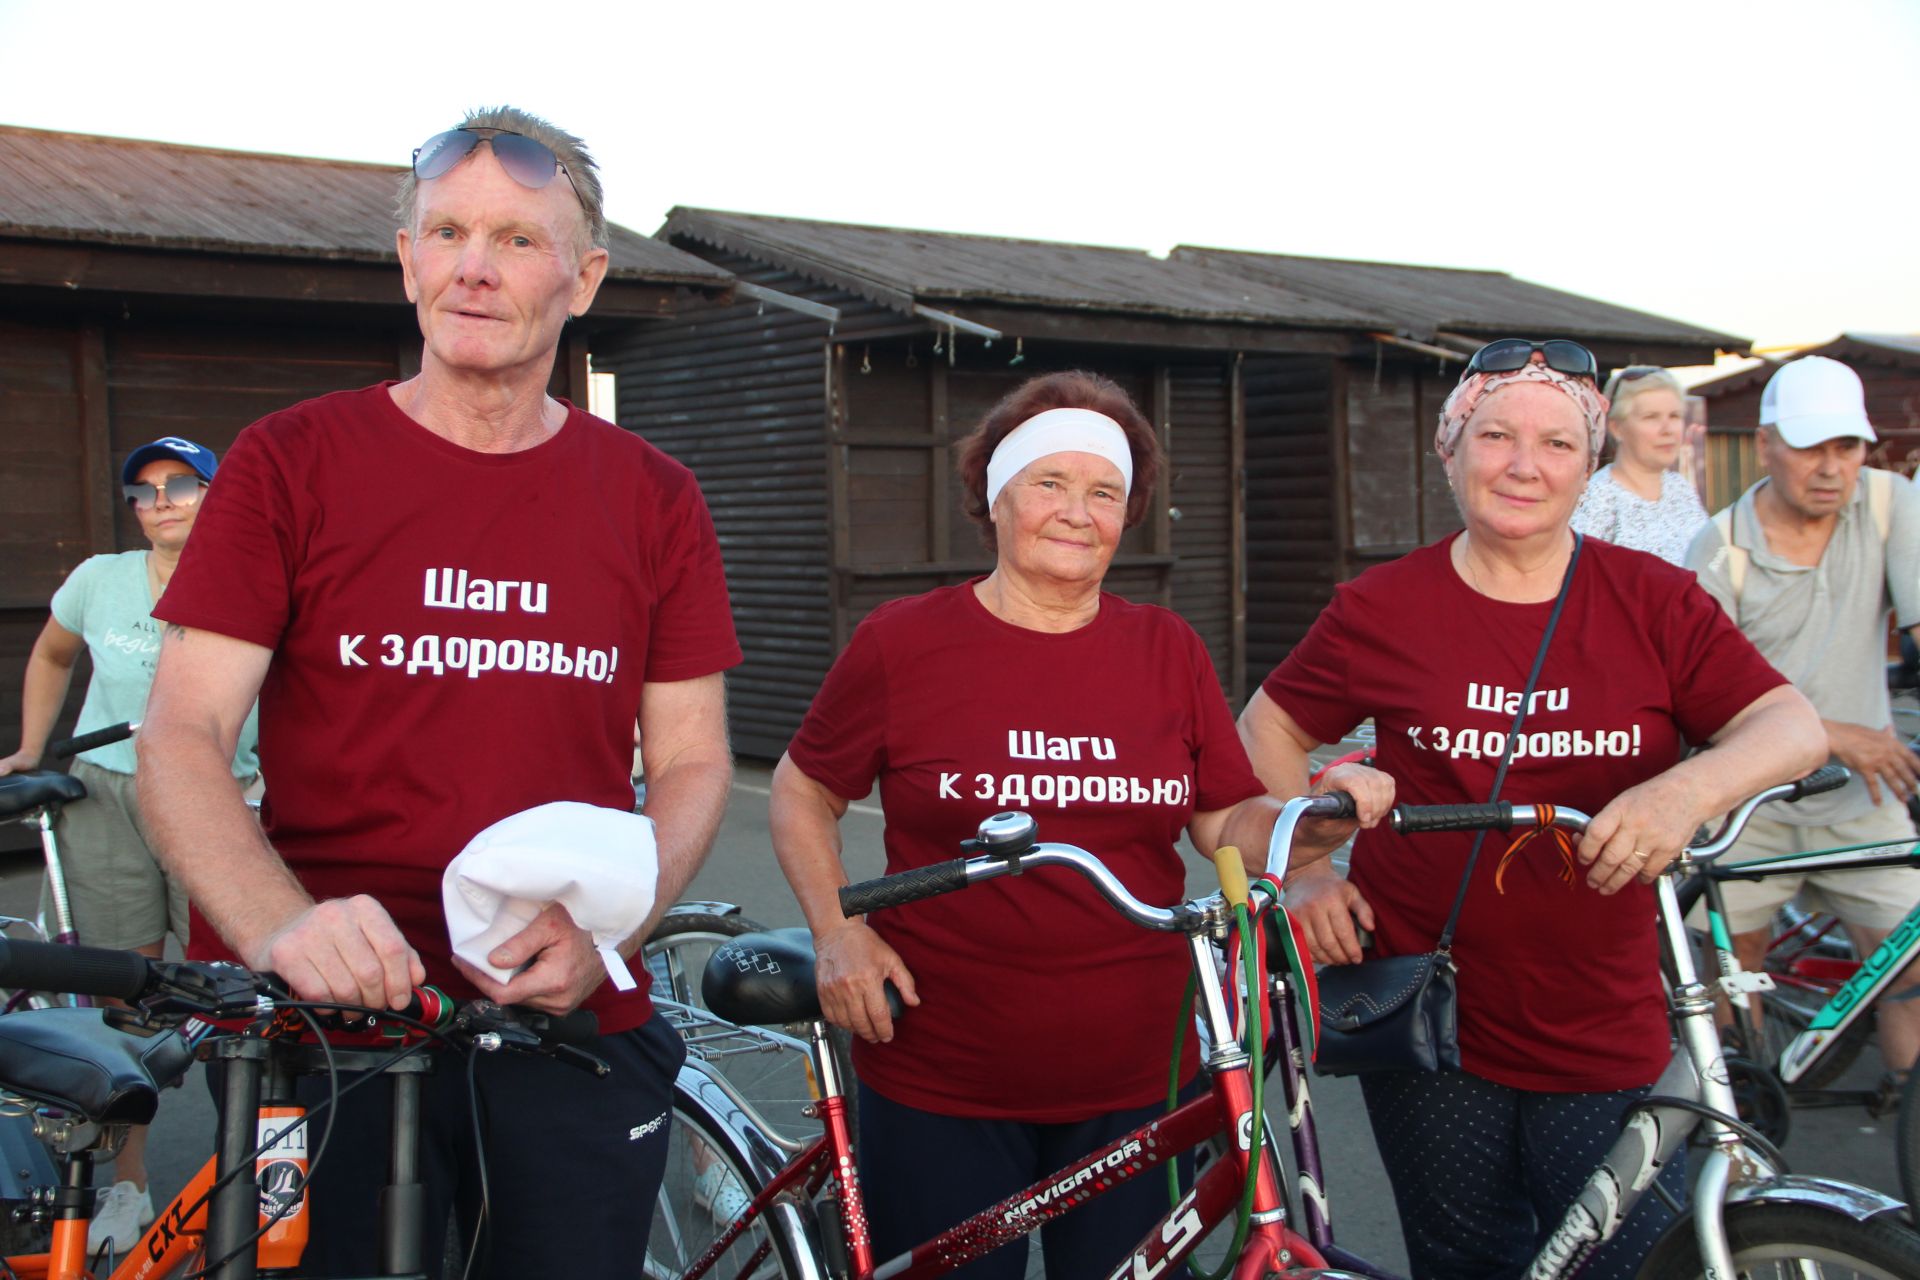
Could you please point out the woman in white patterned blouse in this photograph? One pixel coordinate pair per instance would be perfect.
(1637, 500)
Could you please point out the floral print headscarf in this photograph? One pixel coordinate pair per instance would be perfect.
(1466, 397)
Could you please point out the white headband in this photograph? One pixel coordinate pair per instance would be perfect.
(1058, 431)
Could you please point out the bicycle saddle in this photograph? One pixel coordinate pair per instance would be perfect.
(71, 1059)
(762, 979)
(20, 792)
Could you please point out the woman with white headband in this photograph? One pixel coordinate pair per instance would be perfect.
(1039, 1020)
(1562, 1020)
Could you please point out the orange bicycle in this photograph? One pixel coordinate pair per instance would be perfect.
(86, 1074)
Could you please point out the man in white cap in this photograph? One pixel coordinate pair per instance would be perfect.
(1809, 562)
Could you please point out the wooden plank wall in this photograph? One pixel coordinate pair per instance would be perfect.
(1199, 485)
(738, 394)
(1295, 514)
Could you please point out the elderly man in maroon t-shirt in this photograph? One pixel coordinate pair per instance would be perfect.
(454, 596)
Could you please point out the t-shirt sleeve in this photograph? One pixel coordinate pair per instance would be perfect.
(692, 631)
(1311, 683)
(71, 600)
(1903, 551)
(842, 742)
(1713, 670)
(236, 574)
(1223, 776)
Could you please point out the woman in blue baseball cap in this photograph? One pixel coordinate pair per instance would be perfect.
(119, 895)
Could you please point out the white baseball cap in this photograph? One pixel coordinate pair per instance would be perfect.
(1812, 400)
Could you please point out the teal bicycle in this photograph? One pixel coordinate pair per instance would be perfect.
(1816, 999)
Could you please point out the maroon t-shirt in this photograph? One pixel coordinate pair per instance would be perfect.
(1559, 986)
(1039, 1002)
(457, 636)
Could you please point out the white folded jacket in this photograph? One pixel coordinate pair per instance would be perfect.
(600, 864)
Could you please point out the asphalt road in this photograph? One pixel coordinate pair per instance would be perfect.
(1841, 1142)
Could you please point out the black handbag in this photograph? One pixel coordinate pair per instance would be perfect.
(1402, 1013)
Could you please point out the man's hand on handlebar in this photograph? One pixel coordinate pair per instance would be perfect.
(344, 950)
(1372, 793)
(1639, 833)
(1878, 755)
(562, 969)
(19, 762)
(1329, 908)
(851, 967)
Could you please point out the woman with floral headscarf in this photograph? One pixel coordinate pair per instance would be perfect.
(1562, 1020)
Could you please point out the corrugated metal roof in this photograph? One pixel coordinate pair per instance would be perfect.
(1901, 350)
(80, 187)
(1422, 302)
(898, 267)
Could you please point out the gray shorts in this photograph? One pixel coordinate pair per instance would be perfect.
(118, 893)
(1876, 899)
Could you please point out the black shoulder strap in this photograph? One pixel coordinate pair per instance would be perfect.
(1506, 757)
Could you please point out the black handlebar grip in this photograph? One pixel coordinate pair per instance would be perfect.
(1494, 816)
(1828, 777)
(86, 971)
(907, 886)
(1334, 804)
(68, 747)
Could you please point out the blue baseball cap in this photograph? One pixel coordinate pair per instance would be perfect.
(197, 456)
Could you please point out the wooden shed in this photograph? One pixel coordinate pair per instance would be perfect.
(820, 420)
(819, 411)
(1889, 367)
(148, 289)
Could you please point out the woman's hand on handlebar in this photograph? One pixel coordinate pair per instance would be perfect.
(1331, 911)
(851, 967)
(345, 951)
(1639, 833)
(554, 962)
(1372, 793)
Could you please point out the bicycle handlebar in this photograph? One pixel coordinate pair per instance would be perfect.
(1009, 839)
(226, 991)
(68, 747)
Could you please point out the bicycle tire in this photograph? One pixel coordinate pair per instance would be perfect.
(1906, 1141)
(1786, 1014)
(682, 1227)
(779, 1085)
(1771, 1239)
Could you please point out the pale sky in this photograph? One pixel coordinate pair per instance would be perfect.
(1749, 168)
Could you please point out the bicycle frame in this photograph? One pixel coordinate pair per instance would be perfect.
(827, 1165)
(1858, 992)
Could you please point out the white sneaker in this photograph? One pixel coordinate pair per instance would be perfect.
(721, 1195)
(121, 1212)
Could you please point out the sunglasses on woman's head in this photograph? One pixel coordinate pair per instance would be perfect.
(181, 491)
(1504, 355)
(529, 163)
(1632, 373)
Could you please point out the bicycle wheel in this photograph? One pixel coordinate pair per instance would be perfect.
(1782, 1240)
(778, 1083)
(1787, 1013)
(1906, 1142)
(707, 1185)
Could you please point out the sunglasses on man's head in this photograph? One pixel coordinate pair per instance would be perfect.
(529, 163)
(181, 491)
(1507, 354)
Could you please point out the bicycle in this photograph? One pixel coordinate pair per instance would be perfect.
(1746, 1212)
(86, 1074)
(806, 1216)
(1817, 1007)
